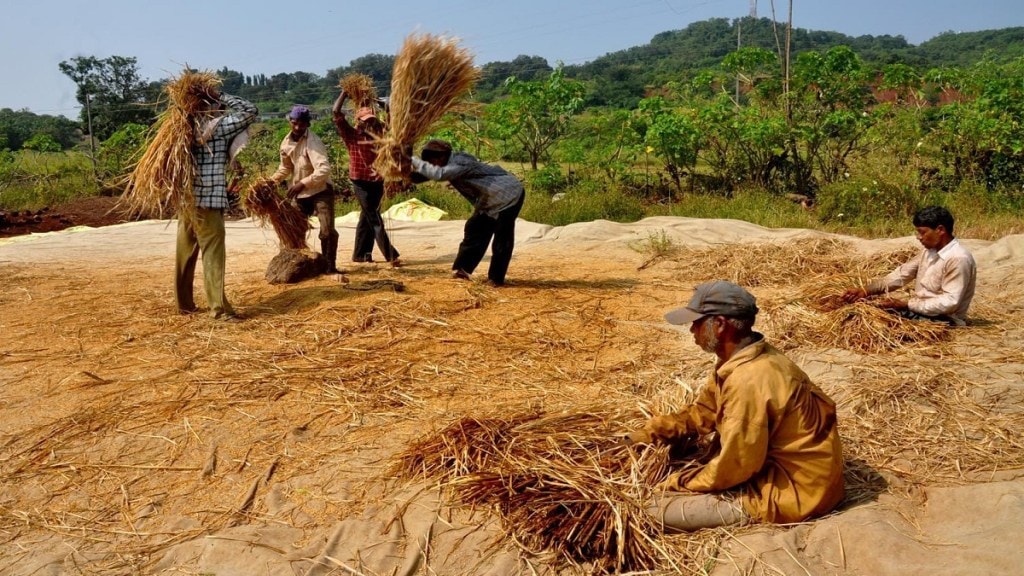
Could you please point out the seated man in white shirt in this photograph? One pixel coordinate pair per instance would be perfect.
(944, 274)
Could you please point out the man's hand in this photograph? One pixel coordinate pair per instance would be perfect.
(295, 189)
(854, 294)
(637, 437)
(338, 103)
(892, 304)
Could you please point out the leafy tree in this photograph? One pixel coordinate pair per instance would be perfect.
(42, 143)
(494, 74)
(979, 137)
(17, 127)
(376, 66)
(121, 150)
(537, 113)
(830, 115)
(111, 90)
(672, 135)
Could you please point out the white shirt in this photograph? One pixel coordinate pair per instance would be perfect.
(944, 282)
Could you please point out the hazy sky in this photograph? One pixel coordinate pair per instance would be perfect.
(258, 36)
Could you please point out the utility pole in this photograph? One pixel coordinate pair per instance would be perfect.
(753, 9)
(92, 142)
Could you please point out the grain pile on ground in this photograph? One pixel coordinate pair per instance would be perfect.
(263, 202)
(161, 183)
(134, 440)
(431, 75)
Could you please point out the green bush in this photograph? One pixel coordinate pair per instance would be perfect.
(547, 179)
(582, 202)
(42, 143)
(37, 179)
(860, 200)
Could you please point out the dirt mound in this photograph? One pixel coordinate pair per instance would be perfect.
(95, 212)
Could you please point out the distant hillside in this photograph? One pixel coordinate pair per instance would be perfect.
(620, 78)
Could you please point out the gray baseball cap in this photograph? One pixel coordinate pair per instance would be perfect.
(717, 298)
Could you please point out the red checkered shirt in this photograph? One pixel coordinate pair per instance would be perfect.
(362, 150)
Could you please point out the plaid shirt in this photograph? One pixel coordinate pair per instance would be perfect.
(362, 150)
(210, 186)
(490, 188)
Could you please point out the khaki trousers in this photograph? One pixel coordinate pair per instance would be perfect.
(203, 234)
(684, 512)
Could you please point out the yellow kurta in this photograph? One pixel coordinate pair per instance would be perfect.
(779, 440)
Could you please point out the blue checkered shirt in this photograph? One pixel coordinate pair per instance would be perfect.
(211, 186)
(490, 188)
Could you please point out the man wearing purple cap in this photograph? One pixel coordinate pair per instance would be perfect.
(304, 160)
(778, 457)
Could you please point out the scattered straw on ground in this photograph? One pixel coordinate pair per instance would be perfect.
(128, 429)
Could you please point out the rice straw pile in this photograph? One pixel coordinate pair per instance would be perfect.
(359, 87)
(820, 315)
(264, 203)
(765, 264)
(161, 183)
(430, 76)
(560, 483)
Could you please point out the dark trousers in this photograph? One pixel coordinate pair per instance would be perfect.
(480, 229)
(371, 225)
(322, 205)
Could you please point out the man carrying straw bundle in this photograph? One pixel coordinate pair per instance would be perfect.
(779, 457)
(367, 184)
(497, 198)
(944, 274)
(203, 231)
(304, 162)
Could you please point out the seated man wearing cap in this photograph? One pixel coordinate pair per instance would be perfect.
(304, 159)
(367, 186)
(777, 457)
(497, 198)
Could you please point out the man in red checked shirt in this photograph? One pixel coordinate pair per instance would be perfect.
(367, 185)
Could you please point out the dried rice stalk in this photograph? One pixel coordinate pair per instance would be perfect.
(431, 74)
(264, 203)
(359, 88)
(162, 180)
(820, 315)
(559, 483)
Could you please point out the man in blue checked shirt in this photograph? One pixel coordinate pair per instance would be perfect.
(497, 198)
(202, 232)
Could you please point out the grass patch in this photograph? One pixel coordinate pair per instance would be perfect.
(30, 180)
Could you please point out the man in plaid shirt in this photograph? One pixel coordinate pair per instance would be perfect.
(202, 232)
(497, 198)
(367, 185)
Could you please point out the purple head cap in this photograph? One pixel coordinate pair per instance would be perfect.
(300, 113)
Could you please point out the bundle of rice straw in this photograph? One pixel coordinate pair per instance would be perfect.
(161, 182)
(430, 75)
(262, 202)
(820, 315)
(359, 88)
(560, 484)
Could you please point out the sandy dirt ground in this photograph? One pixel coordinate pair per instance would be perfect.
(134, 440)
